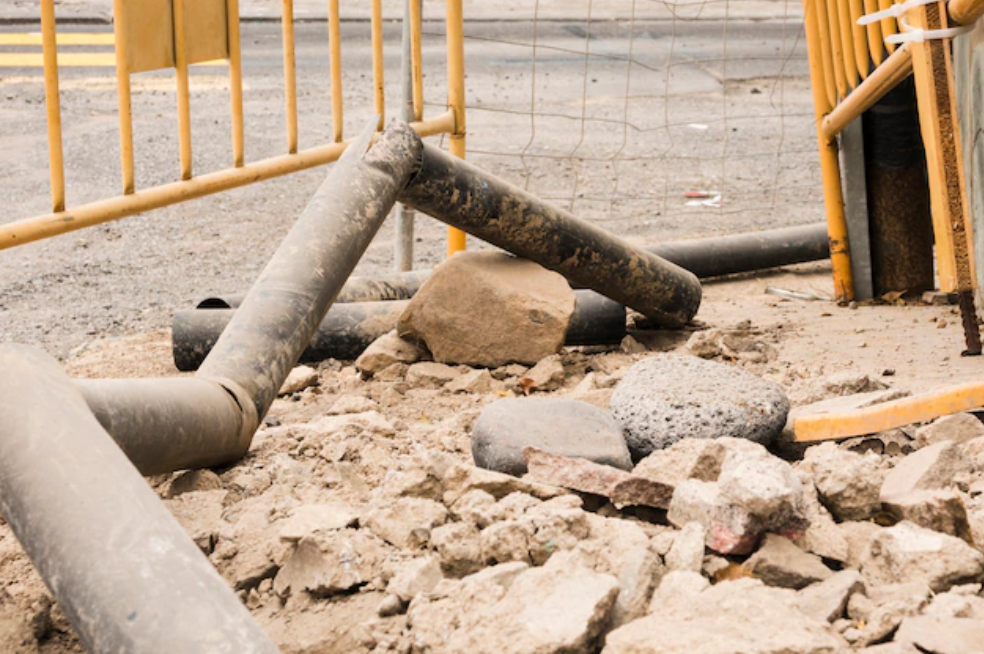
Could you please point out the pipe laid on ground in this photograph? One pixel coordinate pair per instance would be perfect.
(125, 573)
(485, 206)
(391, 286)
(283, 309)
(348, 329)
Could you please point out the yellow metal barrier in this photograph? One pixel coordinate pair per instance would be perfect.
(174, 34)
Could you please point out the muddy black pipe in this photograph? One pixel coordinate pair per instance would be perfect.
(125, 573)
(283, 309)
(348, 329)
(485, 206)
(393, 286)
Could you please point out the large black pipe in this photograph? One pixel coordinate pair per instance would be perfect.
(125, 573)
(485, 206)
(348, 329)
(282, 311)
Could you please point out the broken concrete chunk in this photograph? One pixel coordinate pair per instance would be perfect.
(299, 378)
(958, 427)
(556, 425)
(308, 519)
(932, 467)
(622, 488)
(192, 481)
(909, 553)
(729, 618)
(687, 552)
(941, 635)
(406, 522)
(330, 563)
(506, 541)
(780, 563)
(475, 381)
(428, 374)
(387, 350)
(676, 584)
(959, 602)
(547, 375)
(848, 483)
(939, 510)
(691, 458)
(459, 547)
(828, 599)
(462, 478)
(489, 309)
(667, 398)
(417, 576)
(347, 404)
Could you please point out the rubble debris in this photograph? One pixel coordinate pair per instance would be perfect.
(475, 381)
(778, 562)
(406, 522)
(348, 404)
(463, 478)
(828, 599)
(939, 510)
(909, 553)
(300, 378)
(666, 398)
(622, 488)
(957, 427)
(547, 375)
(941, 635)
(934, 467)
(848, 483)
(330, 563)
(428, 374)
(687, 552)
(309, 519)
(756, 493)
(557, 425)
(690, 458)
(730, 345)
(387, 350)
(490, 309)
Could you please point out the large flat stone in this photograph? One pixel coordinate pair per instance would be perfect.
(559, 426)
(666, 398)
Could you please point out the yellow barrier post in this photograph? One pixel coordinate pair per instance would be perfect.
(456, 98)
(290, 74)
(416, 60)
(52, 100)
(183, 92)
(335, 43)
(378, 82)
(123, 98)
(235, 84)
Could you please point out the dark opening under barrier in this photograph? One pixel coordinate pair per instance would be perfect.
(349, 328)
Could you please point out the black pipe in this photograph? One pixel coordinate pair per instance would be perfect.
(348, 329)
(125, 573)
(282, 311)
(485, 206)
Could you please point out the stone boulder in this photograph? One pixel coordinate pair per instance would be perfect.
(555, 425)
(489, 309)
(667, 398)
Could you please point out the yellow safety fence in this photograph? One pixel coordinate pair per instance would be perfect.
(175, 34)
(852, 67)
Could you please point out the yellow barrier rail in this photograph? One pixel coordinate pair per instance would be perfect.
(151, 35)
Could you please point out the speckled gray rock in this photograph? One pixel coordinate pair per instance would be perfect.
(666, 398)
(555, 425)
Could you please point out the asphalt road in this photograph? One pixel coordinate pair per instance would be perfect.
(658, 109)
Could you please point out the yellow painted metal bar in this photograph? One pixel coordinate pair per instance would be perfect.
(290, 74)
(840, 258)
(889, 415)
(456, 98)
(183, 92)
(416, 59)
(889, 26)
(95, 213)
(123, 99)
(861, 55)
(65, 38)
(52, 100)
(817, 9)
(335, 38)
(836, 48)
(965, 12)
(847, 42)
(876, 46)
(933, 73)
(883, 79)
(378, 80)
(236, 83)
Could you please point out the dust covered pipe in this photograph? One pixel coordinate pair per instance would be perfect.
(125, 573)
(349, 328)
(485, 206)
(283, 309)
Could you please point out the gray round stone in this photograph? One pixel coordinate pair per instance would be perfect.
(555, 425)
(666, 398)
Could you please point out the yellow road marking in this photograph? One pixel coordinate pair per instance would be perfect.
(72, 59)
(67, 38)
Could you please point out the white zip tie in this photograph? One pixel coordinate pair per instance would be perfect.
(919, 35)
(895, 11)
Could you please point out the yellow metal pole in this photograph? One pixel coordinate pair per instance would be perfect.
(95, 213)
(123, 98)
(335, 39)
(52, 100)
(840, 258)
(847, 42)
(889, 26)
(826, 54)
(876, 47)
(290, 74)
(965, 12)
(184, 101)
(883, 79)
(416, 58)
(836, 48)
(236, 83)
(379, 88)
(456, 97)
(860, 38)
